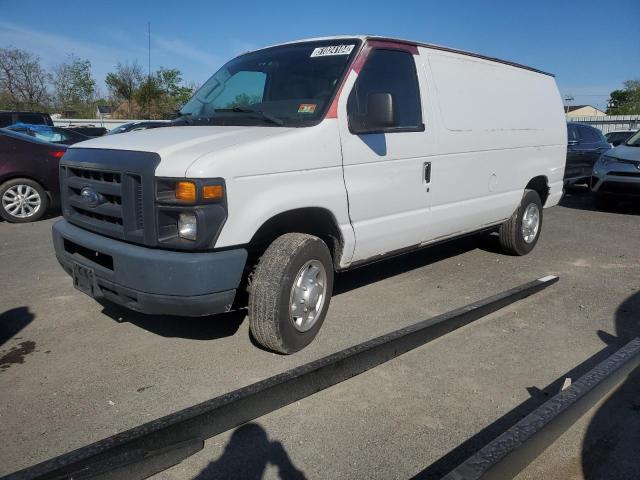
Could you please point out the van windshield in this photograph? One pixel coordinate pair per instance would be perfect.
(288, 85)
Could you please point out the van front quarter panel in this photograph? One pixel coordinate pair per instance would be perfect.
(294, 169)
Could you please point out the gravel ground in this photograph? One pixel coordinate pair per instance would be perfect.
(73, 371)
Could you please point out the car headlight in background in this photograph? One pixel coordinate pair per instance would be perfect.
(606, 160)
(188, 226)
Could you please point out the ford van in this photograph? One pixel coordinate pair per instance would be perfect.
(300, 160)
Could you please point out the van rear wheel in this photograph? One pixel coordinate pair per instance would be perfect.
(290, 292)
(519, 234)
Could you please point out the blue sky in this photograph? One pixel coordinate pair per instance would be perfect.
(591, 46)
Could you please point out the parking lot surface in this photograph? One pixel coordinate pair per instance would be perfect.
(73, 371)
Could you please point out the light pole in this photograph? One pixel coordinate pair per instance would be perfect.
(567, 99)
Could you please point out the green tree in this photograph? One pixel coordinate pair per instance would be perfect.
(123, 84)
(162, 94)
(23, 81)
(625, 101)
(74, 87)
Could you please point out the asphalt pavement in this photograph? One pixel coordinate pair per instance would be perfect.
(73, 371)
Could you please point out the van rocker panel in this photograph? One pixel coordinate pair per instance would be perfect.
(152, 280)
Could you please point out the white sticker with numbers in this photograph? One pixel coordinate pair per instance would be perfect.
(332, 50)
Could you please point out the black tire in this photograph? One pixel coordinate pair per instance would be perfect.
(511, 237)
(271, 289)
(11, 185)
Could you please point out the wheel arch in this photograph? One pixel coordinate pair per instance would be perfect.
(540, 185)
(318, 221)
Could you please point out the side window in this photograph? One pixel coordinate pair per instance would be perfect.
(32, 118)
(388, 71)
(5, 120)
(589, 135)
(572, 133)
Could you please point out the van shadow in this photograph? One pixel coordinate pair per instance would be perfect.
(247, 456)
(614, 432)
(390, 267)
(212, 327)
(581, 198)
(377, 142)
(13, 321)
(227, 324)
(611, 445)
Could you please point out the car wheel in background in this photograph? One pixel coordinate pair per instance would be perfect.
(22, 200)
(519, 234)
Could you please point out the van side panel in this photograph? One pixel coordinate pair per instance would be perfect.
(498, 126)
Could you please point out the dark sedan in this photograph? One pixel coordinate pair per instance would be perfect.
(29, 182)
(585, 145)
(49, 134)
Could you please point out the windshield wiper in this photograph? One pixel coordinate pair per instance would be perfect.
(266, 116)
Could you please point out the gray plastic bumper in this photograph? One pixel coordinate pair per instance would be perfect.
(149, 280)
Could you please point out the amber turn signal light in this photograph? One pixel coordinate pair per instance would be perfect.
(186, 191)
(212, 192)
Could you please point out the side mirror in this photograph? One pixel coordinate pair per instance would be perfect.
(380, 114)
(380, 111)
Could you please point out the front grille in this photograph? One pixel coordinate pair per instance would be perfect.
(108, 213)
(624, 174)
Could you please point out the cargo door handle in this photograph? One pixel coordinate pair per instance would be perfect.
(427, 172)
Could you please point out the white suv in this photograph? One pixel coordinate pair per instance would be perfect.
(299, 160)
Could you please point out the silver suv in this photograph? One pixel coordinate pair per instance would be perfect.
(616, 174)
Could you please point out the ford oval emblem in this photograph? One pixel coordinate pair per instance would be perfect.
(90, 196)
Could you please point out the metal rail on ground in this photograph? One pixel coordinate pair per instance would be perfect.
(155, 446)
(512, 451)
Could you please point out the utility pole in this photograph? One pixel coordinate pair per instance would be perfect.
(149, 74)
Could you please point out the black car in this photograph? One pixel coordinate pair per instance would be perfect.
(618, 137)
(133, 126)
(585, 145)
(29, 182)
(35, 118)
(49, 134)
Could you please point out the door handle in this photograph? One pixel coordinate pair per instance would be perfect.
(427, 172)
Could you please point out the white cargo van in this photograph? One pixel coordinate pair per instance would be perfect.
(306, 158)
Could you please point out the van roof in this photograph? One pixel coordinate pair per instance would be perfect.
(422, 44)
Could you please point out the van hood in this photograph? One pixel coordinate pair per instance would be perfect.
(624, 152)
(179, 147)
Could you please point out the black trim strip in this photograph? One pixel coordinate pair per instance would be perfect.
(512, 451)
(461, 52)
(145, 449)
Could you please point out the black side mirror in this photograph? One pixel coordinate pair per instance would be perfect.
(380, 114)
(380, 111)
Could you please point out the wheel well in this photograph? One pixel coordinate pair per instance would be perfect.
(311, 220)
(541, 186)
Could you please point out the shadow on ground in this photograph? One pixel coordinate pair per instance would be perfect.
(13, 321)
(611, 447)
(247, 456)
(581, 198)
(199, 328)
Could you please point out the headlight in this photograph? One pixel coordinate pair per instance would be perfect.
(606, 160)
(188, 226)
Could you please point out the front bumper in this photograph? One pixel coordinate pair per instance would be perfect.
(616, 179)
(150, 280)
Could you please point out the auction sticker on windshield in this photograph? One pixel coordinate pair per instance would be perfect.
(307, 108)
(332, 50)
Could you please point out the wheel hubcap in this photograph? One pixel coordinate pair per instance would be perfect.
(530, 223)
(21, 201)
(308, 295)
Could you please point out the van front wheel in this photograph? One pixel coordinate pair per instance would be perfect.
(520, 233)
(290, 292)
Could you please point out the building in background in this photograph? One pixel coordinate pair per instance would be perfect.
(583, 111)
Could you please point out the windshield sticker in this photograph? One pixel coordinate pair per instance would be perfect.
(332, 50)
(307, 108)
